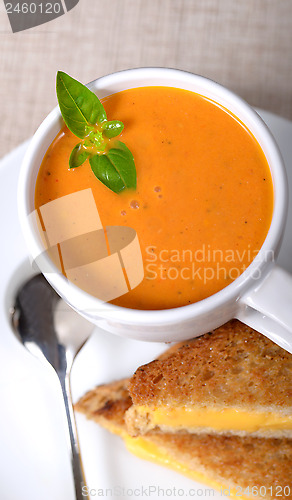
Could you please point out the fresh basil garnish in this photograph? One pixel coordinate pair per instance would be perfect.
(112, 128)
(80, 108)
(116, 169)
(78, 156)
(111, 161)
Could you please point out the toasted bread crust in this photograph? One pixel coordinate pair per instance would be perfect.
(106, 404)
(233, 461)
(233, 366)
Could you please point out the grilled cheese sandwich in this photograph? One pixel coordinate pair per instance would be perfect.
(221, 462)
(231, 381)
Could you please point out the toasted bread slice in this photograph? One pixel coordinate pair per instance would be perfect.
(231, 464)
(107, 405)
(232, 381)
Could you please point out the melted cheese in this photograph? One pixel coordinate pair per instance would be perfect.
(145, 449)
(219, 420)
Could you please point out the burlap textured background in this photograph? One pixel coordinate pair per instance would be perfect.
(243, 44)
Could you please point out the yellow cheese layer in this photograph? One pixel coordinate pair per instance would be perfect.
(145, 449)
(219, 420)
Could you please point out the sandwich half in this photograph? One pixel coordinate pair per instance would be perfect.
(230, 464)
(232, 381)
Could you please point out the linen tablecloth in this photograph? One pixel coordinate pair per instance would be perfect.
(244, 44)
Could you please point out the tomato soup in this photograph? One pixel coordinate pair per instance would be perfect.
(204, 198)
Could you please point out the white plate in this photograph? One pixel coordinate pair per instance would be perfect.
(34, 460)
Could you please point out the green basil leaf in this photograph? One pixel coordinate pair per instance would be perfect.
(122, 158)
(78, 156)
(116, 168)
(112, 128)
(105, 171)
(80, 108)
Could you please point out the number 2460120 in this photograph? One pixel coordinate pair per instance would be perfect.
(262, 491)
(33, 8)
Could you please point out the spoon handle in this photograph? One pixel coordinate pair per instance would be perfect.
(33, 320)
(77, 468)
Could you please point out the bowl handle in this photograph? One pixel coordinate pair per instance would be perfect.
(268, 308)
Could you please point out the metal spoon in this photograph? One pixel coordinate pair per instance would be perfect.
(53, 332)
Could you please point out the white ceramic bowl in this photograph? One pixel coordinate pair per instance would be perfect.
(247, 298)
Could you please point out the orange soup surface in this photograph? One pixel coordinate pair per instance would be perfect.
(204, 197)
